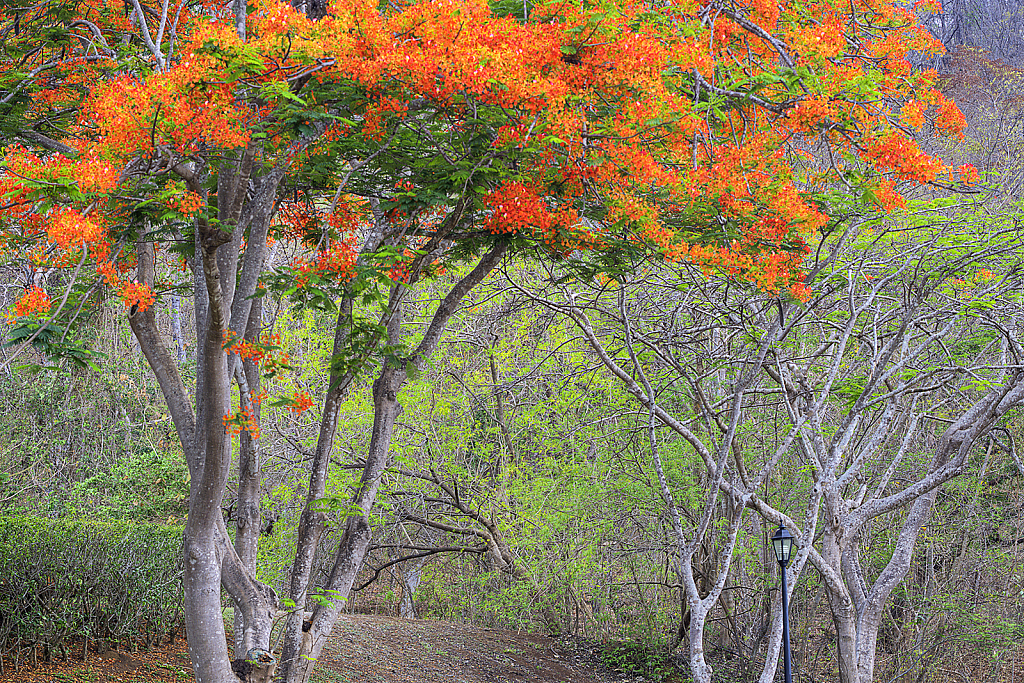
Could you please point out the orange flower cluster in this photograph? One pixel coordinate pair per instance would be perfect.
(912, 114)
(300, 402)
(894, 152)
(967, 288)
(725, 29)
(276, 19)
(434, 269)
(68, 227)
(770, 229)
(89, 172)
(888, 198)
(186, 203)
(771, 271)
(810, 113)
(337, 262)
(800, 291)
(377, 112)
(266, 352)
(399, 272)
(275, 359)
(514, 208)
(295, 219)
(968, 174)
(243, 420)
(510, 136)
(109, 273)
(348, 215)
(584, 108)
(133, 294)
(136, 294)
(181, 109)
(950, 120)
(34, 303)
(823, 41)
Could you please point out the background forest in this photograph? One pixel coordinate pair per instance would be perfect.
(597, 451)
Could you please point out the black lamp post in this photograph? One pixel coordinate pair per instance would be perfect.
(782, 542)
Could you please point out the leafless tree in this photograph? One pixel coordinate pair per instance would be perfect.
(905, 355)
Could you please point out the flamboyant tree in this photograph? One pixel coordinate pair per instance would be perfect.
(382, 144)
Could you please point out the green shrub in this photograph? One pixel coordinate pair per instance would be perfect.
(73, 580)
(650, 660)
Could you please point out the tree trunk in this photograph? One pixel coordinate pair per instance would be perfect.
(311, 521)
(179, 339)
(857, 607)
(700, 607)
(248, 521)
(204, 622)
(411, 573)
(203, 556)
(303, 648)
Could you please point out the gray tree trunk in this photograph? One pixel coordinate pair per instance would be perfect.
(856, 604)
(203, 555)
(248, 632)
(179, 339)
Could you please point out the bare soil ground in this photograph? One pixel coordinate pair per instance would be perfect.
(374, 649)
(381, 649)
(366, 649)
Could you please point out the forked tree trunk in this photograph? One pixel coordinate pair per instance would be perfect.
(856, 605)
(303, 648)
(304, 641)
(210, 561)
(857, 611)
(224, 301)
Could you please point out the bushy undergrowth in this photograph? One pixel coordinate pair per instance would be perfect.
(72, 581)
(101, 441)
(648, 659)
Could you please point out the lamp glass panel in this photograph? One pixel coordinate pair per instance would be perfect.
(782, 544)
(777, 545)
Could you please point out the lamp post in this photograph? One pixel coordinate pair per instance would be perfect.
(782, 543)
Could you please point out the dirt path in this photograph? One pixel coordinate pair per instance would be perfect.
(365, 649)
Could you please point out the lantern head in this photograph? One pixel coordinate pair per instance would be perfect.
(782, 543)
